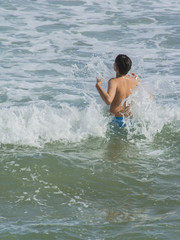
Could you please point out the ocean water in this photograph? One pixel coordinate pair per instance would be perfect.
(67, 172)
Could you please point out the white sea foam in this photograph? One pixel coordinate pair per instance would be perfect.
(36, 125)
(149, 117)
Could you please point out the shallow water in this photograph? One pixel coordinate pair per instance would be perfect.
(66, 171)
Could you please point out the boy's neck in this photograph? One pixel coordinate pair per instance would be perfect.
(118, 75)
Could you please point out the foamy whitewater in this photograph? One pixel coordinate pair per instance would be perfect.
(68, 171)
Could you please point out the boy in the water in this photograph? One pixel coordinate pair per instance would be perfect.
(119, 88)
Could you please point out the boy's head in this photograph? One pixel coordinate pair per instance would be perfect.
(123, 64)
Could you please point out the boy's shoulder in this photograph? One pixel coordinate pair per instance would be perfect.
(118, 79)
(112, 80)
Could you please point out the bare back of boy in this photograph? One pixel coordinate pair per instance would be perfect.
(118, 90)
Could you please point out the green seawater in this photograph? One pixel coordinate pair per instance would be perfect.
(97, 189)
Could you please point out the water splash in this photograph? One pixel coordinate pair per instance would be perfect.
(149, 117)
(35, 125)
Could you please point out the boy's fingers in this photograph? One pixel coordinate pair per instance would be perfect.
(99, 79)
(134, 75)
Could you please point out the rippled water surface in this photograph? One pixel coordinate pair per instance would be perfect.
(66, 171)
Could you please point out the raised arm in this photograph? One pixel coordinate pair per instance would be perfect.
(108, 96)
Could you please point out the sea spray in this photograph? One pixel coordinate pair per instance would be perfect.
(149, 117)
(35, 125)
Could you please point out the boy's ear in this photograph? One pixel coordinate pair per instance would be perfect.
(115, 67)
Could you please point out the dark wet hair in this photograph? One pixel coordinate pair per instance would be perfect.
(123, 63)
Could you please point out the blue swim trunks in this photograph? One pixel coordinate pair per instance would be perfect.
(119, 121)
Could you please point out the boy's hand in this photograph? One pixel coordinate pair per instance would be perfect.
(134, 75)
(99, 80)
